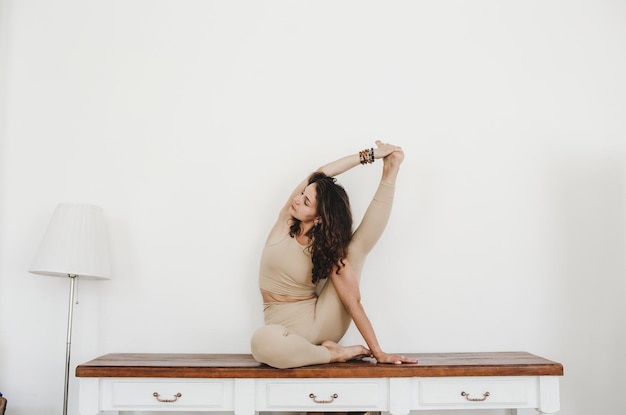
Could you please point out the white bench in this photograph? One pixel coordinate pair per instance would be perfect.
(519, 381)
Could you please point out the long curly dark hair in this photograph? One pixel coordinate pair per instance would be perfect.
(332, 236)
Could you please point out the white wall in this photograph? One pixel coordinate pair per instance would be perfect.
(189, 122)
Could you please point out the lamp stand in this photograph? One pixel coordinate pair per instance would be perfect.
(68, 345)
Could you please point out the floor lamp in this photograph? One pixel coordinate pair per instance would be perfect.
(75, 245)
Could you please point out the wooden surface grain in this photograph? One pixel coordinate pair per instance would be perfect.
(185, 365)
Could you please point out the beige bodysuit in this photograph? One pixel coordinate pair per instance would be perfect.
(294, 331)
(286, 269)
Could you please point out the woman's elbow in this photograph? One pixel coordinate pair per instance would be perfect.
(353, 305)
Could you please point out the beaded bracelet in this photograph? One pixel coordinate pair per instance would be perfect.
(367, 156)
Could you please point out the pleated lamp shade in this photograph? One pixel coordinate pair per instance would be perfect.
(75, 243)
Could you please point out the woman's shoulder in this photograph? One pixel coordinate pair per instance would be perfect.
(279, 232)
(276, 239)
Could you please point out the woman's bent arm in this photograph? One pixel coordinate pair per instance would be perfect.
(342, 165)
(332, 169)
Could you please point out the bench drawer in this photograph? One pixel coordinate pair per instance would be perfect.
(322, 395)
(135, 394)
(512, 392)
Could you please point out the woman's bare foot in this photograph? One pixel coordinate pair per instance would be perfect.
(339, 353)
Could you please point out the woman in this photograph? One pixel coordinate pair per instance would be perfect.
(312, 241)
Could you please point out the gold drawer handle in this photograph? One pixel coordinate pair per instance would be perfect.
(332, 398)
(158, 397)
(466, 395)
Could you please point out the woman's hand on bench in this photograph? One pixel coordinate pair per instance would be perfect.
(383, 357)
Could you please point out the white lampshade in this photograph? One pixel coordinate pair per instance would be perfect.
(75, 243)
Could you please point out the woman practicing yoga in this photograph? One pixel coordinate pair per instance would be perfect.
(311, 241)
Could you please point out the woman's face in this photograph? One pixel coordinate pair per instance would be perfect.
(304, 205)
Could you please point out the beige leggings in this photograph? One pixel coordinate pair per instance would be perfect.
(294, 331)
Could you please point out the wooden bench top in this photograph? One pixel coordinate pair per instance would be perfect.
(182, 365)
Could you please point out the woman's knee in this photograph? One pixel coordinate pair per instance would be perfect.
(264, 342)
